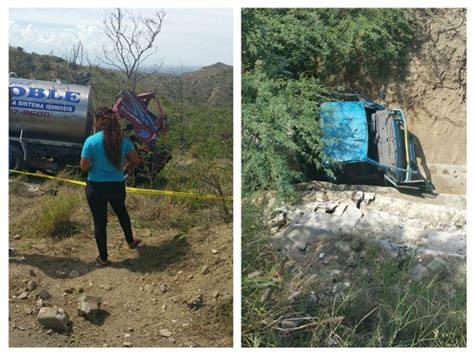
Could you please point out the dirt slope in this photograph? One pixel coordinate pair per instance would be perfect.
(433, 96)
(175, 281)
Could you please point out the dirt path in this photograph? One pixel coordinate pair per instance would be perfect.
(175, 290)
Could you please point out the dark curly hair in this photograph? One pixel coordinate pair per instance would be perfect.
(106, 120)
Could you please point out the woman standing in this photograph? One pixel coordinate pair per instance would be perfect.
(105, 155)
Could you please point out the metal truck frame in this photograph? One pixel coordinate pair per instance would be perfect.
(364, 142)
(49, 122)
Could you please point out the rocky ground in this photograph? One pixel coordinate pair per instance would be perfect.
(175, 290)
(337, 225)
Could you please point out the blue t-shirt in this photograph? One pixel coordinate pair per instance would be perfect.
(101, 168)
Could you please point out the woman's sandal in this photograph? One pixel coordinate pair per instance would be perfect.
(101, 263)
(135, 243)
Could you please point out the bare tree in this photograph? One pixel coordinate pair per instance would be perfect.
(131, 42)
(76, 59)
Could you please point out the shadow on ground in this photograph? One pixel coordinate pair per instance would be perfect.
(150, 258)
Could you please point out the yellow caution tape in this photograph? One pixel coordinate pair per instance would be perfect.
(69, 181)
(135, 189)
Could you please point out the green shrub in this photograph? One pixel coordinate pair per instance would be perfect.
(54, 215)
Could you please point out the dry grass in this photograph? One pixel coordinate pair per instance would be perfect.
(381, 307)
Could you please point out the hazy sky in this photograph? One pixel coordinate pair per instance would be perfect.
(188, 36)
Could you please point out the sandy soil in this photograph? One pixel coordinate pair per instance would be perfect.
(433, 97)
(144, 292)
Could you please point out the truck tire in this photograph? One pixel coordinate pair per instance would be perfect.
(16, 158)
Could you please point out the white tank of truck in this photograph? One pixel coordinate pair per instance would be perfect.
(49, 110)
(48, 122)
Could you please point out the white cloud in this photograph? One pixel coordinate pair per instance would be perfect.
(189, 36)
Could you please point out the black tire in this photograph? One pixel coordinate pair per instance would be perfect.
(16, 158)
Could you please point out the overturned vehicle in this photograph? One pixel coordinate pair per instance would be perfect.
(49, 122)
(367, 143)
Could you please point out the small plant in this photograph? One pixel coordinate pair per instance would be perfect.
(54, 214)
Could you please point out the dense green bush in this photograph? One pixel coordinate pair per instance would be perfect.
(278, 126)
(332, 45)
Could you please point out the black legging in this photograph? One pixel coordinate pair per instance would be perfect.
(98, 194)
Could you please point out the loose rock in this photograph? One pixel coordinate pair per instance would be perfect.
(106, 287)
(357, 197)
(369, 197)
(32, 285)
(195, 303)
(278, 219)
(274, 230)
(205, 270)
(300, 245)
(326, 207)
(165, 333)
(88, 306)
(23, 295)
(271, 203)
(43, 294)
(54, 318)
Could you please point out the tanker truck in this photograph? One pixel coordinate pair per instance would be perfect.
(49, 122)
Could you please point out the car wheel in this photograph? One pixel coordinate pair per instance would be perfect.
(16, 158)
